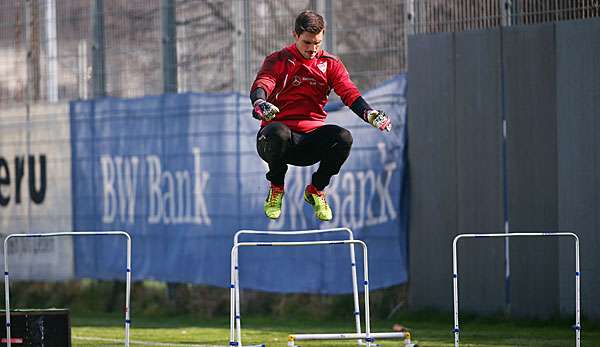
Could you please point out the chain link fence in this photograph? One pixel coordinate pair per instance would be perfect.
(59, 50)
(432, 16)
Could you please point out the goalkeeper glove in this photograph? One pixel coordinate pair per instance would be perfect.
(378, 119)
(264, 110)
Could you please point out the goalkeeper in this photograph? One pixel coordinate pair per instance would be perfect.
(288, 96)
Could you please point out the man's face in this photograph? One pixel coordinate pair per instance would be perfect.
(309, 44)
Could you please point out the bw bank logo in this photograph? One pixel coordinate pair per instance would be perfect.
(134, 186)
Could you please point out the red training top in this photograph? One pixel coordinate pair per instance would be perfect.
(299, 87)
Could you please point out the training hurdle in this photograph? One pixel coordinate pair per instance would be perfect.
(577, 326)
(75, 233)
(235, 318)
(293, 233)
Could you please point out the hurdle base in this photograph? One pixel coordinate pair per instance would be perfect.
(292, 338)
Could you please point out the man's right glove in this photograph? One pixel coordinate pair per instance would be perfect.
(264, 110)
(378, 119)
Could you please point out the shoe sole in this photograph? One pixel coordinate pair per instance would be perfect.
(279, 215)
(273, 218)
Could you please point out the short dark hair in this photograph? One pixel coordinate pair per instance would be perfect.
(309, 21)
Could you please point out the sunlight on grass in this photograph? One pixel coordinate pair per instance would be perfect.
(273, 332)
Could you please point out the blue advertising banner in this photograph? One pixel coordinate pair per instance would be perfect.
(180, 173)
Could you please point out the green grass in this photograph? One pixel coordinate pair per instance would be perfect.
(428, 329)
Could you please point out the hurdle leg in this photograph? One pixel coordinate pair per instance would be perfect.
(128, 293)
(456, 329)
(368, 337)
(235, 297)
(355, 291)
(236, 283)
(232, 341)
(577, 295)
(7, 297)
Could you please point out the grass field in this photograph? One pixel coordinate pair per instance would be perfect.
(432, 330)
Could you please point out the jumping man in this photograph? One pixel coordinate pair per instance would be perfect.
(288, 96)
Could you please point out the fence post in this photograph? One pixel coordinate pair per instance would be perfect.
(168, 45)
(32, 37)
(325, 7)
(98, 52)
(51, 49)
(410, 17)
(242, 76)
(507, 9)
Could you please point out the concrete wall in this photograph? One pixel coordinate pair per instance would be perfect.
(543, 81)
(35, 189)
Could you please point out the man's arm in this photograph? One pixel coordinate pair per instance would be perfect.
(347, 91)
(267, 76)
(263, 85)
(258, 94)
(376, 118)
(342, 85)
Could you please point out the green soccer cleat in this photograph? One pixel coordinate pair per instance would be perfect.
(317, 200)
(274, 201)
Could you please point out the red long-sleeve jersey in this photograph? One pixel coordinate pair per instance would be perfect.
(299, 87)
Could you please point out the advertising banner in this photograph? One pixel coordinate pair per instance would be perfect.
(180, 173)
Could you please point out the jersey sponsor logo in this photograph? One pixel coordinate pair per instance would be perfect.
(322, 66)
(296, 80)
(310, 80)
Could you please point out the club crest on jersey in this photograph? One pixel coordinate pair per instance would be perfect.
(322, 66)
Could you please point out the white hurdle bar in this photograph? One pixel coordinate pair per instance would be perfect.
(356, 312)
(577, 326)
(76, 233)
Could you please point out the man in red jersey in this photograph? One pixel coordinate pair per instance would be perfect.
(288, 96)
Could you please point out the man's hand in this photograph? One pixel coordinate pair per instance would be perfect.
(264, 110)
(378, 119)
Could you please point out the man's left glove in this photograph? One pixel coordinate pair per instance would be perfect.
(378, 119)
(264, 110)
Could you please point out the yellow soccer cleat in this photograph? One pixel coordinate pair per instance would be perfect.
(318, 201)
(274, 201)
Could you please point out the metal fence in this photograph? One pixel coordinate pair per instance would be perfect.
(459, 15)
(58, 50)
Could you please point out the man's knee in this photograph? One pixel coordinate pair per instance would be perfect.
(344, 138)
(277, 131)
(272, 141)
